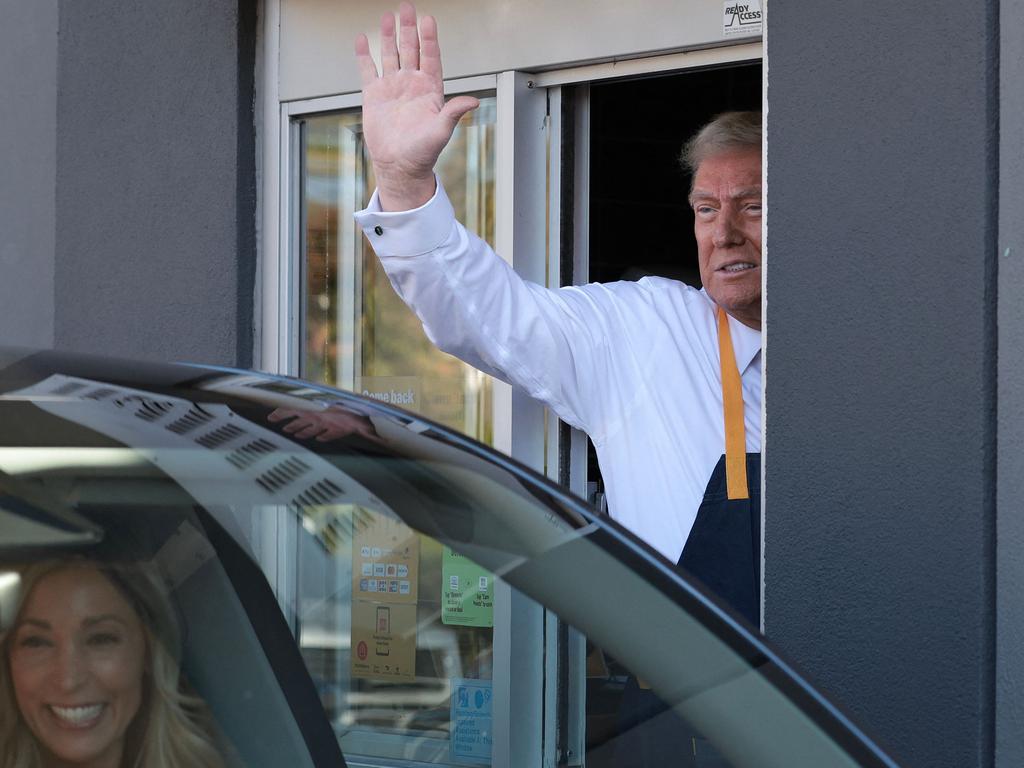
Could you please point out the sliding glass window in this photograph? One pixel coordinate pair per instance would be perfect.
(356, 333)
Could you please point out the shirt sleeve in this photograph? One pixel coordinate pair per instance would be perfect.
(556, 344)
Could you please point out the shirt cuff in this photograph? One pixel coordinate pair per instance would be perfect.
(407, 233)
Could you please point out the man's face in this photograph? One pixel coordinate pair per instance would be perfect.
(726, 201)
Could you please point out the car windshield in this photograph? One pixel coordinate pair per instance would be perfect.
(331, 598)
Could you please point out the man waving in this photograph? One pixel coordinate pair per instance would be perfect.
(665, 378)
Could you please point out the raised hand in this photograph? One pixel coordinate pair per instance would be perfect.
(406, 121)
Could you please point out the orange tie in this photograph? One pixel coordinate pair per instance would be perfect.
(732, 399)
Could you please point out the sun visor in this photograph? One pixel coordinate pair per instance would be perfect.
(26, 523)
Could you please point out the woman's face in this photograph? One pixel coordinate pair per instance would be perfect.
(76, 658)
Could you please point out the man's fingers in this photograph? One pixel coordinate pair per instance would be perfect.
(430, 50)
(409, 37)
(310, 430)
(371, 434)
(388, 45)
(367, 69)
(457, 107)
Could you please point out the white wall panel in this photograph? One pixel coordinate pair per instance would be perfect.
(490, 35)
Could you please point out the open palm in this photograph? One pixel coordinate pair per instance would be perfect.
(406, 122)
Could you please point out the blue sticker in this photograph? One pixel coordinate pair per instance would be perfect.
(471, 721)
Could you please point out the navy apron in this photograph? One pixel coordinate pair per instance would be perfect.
(723, 553)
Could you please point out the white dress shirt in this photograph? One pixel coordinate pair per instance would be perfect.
(633, 364)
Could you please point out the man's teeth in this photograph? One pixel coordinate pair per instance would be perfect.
(76, 715)
(738, 267)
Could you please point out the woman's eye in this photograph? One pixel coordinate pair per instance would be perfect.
(33, 641)
(104, 638)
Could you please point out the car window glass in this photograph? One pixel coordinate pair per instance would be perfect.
(359, 577)
(204, 666)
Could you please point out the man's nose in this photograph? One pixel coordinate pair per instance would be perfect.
(727, 230)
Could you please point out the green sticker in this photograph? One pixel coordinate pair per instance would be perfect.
(467, 592)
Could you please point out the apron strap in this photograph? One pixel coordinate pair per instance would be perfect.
(732, 400)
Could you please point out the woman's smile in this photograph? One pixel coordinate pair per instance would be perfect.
(77, 661)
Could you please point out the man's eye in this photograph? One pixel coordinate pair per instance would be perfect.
(704, 210)
(755, 209)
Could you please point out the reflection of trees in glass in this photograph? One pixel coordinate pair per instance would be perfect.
(390, 342)
(322, 160)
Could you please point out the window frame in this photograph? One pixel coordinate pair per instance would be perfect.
(520, 718)
(528, 181)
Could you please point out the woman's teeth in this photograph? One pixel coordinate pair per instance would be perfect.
(78, 715)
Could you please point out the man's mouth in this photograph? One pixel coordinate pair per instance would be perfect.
(739, 266)
(77, 717)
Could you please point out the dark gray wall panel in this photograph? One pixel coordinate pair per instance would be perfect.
(154, 186)
(28, 169)
(1010, 569)
(880, 365)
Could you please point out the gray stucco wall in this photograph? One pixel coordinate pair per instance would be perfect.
(880, 365)
(28, 138)
(155, 179)
(1010, 556)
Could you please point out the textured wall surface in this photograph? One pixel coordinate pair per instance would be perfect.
(28, 140)
(881, 365)
(1010, 585)
(155, 179)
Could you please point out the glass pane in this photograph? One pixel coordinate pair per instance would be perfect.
(195, 479)
(396, 631)
(358, 335)
(144, 639)
(630, 726)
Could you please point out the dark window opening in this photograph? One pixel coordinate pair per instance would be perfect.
(641, 224)
(640, 221)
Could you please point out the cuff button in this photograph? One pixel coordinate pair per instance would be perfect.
(378, 230)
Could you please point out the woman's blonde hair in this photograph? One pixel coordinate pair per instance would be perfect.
(172, 728)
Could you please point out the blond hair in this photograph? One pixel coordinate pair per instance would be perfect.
(172, 728)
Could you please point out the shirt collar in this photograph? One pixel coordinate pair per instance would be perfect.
(746, 341)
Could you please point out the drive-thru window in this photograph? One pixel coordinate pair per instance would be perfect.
(568, 169)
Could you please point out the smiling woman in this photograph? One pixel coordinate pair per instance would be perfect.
(91, 674)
